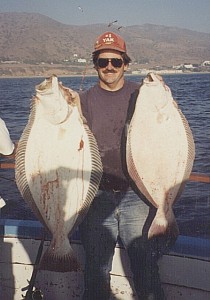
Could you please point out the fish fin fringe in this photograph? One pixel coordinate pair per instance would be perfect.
(160, 227)
(57, 263)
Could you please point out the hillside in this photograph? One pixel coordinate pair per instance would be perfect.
(33, 38)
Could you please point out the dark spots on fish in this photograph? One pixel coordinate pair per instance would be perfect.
(81, 145)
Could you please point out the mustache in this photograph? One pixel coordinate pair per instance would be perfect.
(109, 71)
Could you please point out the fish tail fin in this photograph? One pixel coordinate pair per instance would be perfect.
(164, 224)
(61, 259)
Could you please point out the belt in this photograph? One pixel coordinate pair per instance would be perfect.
(115, 191)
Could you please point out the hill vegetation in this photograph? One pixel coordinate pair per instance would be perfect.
(34, 39)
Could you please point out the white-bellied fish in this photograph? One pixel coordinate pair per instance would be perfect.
(160, 152)
(58, 168)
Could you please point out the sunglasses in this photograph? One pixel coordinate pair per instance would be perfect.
(103, 62)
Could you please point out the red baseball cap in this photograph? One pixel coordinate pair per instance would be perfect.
(110, 40)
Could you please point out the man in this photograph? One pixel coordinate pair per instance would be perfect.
(117, 213)
(6, 147)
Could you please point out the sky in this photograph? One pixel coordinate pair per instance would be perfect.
(189, 14)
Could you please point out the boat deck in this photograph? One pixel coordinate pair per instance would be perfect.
(185, 271)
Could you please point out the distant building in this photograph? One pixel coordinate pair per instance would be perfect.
(206, 63)
(81, 60)
(10, 62)
(188, 66)
(184, 66)
(178, 67)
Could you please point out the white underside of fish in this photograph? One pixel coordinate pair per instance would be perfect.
(160, 150)
(57, 169)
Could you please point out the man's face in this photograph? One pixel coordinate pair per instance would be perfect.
(111, 77)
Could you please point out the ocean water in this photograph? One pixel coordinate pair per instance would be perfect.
(192, 93)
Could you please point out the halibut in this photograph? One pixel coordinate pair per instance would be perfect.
(58, 169)
(160, 152)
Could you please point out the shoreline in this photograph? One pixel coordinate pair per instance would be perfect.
(95, 75)
(45, 70)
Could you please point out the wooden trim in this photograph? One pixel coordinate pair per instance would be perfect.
(6, 165)
(197, 177)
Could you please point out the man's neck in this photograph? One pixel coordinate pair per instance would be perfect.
(112, 87)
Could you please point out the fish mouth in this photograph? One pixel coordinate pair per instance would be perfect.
(55, 100)
(46, 85)
(51, 83)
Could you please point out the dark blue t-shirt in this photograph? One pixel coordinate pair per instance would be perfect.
(106, 112)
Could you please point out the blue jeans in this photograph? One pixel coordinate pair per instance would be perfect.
(113, 216)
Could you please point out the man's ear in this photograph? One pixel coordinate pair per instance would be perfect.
(125, 67)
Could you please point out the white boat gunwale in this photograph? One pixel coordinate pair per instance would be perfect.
(185, 270)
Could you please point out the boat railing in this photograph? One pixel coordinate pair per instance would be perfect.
(8, 162)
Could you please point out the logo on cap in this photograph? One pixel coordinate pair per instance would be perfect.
(110, 40)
